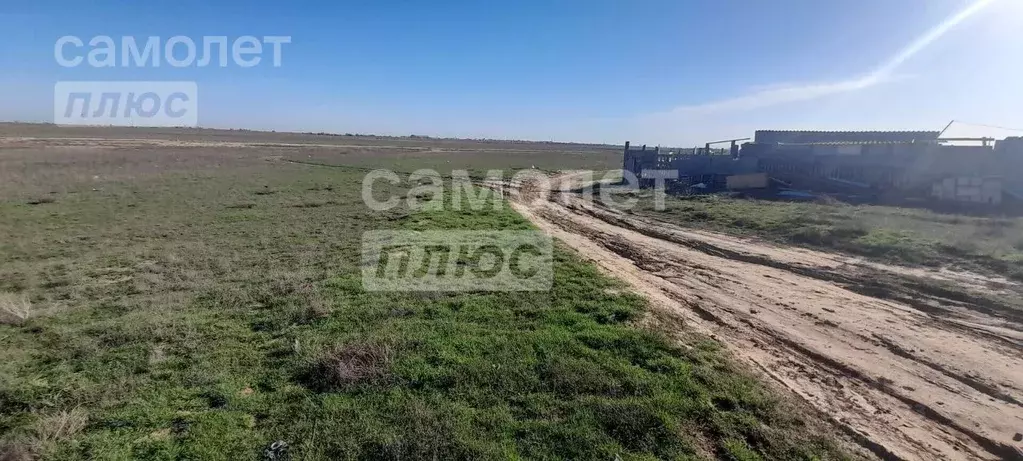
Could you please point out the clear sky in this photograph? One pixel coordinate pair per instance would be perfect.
(664, 72)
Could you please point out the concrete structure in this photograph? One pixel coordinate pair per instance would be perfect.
(872, 163)
(969, 189)
(648, 164)
(900, 163)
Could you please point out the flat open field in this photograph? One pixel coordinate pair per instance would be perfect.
(197, 294)
(182, 294)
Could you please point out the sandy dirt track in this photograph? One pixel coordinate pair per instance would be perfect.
(913, 377)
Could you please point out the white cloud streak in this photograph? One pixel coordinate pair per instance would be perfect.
(885, 72)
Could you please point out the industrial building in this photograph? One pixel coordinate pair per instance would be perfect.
(880, 165)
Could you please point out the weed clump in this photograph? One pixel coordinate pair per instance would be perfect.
(14, 309)
(61, 426)
(348, 365)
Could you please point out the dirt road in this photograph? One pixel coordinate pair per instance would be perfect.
(907, 374)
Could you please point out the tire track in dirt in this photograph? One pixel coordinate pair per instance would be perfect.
(903, 382)
(871, 279)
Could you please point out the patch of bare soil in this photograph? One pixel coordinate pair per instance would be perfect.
(907, 374)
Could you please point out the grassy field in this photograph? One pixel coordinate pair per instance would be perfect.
(200, 303)
(901, 235)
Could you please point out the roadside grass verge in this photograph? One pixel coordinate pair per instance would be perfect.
(196, 316)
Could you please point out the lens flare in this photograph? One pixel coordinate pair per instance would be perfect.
(931, 36)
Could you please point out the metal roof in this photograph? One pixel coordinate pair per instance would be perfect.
(850, 143)
(843, 137)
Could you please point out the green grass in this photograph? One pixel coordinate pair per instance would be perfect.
(902, 235)
(197, 315)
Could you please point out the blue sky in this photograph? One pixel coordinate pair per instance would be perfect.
(656, 72)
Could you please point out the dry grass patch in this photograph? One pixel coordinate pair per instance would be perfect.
(60, 426)
(352, 364)
(15, 452)
(15, 309)
(47, 432)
